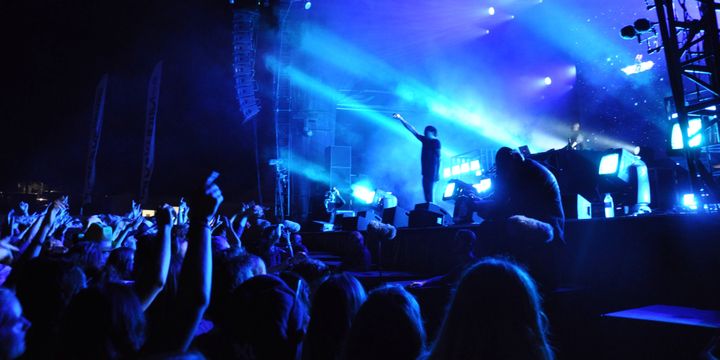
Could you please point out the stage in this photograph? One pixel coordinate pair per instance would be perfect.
(626, 261)
(605, 265)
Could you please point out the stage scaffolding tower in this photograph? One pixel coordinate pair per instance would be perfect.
(283, 107)
(692, 52)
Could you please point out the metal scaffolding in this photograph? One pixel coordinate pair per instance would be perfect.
(692, 52)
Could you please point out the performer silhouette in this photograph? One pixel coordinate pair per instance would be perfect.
(430, 156)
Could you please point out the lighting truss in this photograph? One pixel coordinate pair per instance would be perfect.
(692, 53)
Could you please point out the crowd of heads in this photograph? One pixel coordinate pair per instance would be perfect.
(189, 282)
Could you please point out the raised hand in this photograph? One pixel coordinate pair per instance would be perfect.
(24, 208)
(135, 210)
(232, 236)
(55, 210)
(6, 251)
(195, 279)
(205, 204)
(165, 216)
(182, 212)
(398, 116)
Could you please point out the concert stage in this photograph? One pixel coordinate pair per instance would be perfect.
(606, 265)
(627, 261)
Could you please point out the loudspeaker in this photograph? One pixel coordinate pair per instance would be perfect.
(339, 160)
(428, 214)
(357, 223)
(396, 216)
(339, 156)
(577, 207)
(318, 226)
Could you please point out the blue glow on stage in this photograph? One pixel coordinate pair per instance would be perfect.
(609, 164)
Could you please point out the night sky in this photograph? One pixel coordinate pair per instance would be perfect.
(55, 53)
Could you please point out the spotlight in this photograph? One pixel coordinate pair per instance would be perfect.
(643, 25)
(363, 193)
(449, 191)
(689, 201)
(308, 5)
(615, 170)
(694, 134)
(456, 188)
(628, 32)
(456, 170)
(491, 11)
(483, 186)
(609, 164)
(548, 81)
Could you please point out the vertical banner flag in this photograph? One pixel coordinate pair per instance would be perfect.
(94, 142)
(150, 123)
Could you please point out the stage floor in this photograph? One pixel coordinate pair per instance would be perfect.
(606, 265)
(626, 261)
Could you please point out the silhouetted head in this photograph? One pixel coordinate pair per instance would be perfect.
(431, 132)
(90, 256)
(356, 240)
(45, 287)
(334, 306)
(388, 326)
(13, 326)
(267, 318)
(103, 323)
(120, 264)
(465, 241)
(494, 314)
(231, 268)
(508, 163)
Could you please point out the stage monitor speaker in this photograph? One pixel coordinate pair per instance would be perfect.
(339, 156)
(339, 162)
(357, 223)
(427, 215)
(319, 226)
(396, 216)
(577, 207)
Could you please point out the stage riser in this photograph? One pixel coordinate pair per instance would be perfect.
(622, 262)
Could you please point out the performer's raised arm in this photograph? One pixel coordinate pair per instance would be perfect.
(407, 125)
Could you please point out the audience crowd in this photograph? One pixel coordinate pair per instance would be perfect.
(190, 283)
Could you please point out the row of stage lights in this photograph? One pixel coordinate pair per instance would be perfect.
(463, 168)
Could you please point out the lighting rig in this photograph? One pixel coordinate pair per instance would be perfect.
(692, 51)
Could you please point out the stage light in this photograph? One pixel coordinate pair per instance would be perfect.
(638, 67)
(694, 134)
(609, 164)
(689, 201)
(308, 5)
(475, 165)
(491, 11)
(615, 170)
(642, 25)
(483, 186)
(447, 173)
(465, 168)
(548, 81)
(363, 193)
(456, 169)
(449, 190)
(628, 32)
